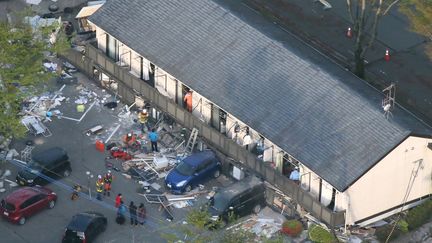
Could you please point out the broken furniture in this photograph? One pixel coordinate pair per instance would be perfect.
(66, 78)
(26, 152)
(162, 200)
(94, 130)
(143, 169)
(35, 126)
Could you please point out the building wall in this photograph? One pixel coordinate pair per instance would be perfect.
(386, 184)
(101, 38)
(311, 182)
(166, 85)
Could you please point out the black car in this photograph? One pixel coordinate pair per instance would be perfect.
(85, 227)
(51, 163)
(240, 199)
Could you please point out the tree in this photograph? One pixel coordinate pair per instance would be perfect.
(21, 70)
(365, 16)
(419, 13)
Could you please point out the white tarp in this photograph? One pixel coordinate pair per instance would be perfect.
(37, 22)
(34, 2)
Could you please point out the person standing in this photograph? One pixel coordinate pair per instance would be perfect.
(295, 175)
(118, 200)
(99, 187)
(143, 119)
(133, 213)
(141, 213)
(188, 100)
(153, 136)
(108, 178)
(121, 213)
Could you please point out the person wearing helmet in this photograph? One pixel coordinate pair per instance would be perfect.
(129, 140)
(143, 119)
(108, 178)
(99, 187)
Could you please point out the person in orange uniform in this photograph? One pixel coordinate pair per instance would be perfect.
(129, 140)
(108, 178)
(188, 100)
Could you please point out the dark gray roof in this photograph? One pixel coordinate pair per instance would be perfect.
(313, 109)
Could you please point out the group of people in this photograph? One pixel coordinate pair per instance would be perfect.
(137, 215)
(103, 185)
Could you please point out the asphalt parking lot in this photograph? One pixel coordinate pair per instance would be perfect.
(49, 225)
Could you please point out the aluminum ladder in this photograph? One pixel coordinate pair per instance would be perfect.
(191, 141)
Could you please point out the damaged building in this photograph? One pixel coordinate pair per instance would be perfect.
(282, 102)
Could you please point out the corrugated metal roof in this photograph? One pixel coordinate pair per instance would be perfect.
(313, 109)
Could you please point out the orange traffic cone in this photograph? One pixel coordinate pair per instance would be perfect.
(387, 56)
(349, 33)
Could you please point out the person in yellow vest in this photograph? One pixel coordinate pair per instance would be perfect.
(143, 119)
(99, 187)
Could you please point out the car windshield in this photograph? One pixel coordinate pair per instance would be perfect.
(185, 168)
(220, 202)
(7, 206)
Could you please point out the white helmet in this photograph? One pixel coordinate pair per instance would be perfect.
(129, 134)
(99, 177)
(144, 110)
(109, 171)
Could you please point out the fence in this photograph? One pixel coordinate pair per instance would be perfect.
(129, 86)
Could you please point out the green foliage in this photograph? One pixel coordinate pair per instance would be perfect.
(21, 56)
(238, 236)
(292, 227)
(419, 215)
(383, 232)
(402, 225)
(198, 218)
(279, 238)
(232, 217)
(419, 13)
(320, 235)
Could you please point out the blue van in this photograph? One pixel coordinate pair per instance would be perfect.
(192, 171)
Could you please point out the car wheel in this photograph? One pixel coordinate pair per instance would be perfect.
(216, 174)
(256, 209)
(66, 173)
(51, 204)
(22, 220)
(188, 188)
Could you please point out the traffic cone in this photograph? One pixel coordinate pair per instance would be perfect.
(349, 33)
(387, 56)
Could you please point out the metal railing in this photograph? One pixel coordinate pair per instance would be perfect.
(129, 86)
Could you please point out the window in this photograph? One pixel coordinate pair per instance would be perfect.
(246, 196)
(204, 165)
(7, 206)
(29, 202)
(185, 168)
(40, 197)
(112, 47)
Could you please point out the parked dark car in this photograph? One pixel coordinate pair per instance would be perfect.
(192, 171)
(85, 227)
(26, 201)
(53, 163)
(241, 198)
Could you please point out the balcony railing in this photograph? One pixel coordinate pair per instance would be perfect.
(129, 86)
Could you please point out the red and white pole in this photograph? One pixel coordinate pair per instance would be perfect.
(349, 32)
(387, 56)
